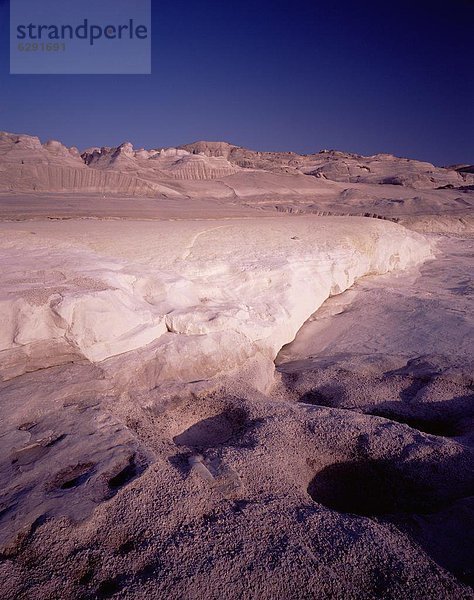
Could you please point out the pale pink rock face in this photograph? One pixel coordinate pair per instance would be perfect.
(246, 284)
(381, 184)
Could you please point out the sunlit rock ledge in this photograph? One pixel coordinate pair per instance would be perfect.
(203, 296)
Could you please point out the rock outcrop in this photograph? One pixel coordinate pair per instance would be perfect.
(28, 165)
(339, 166)
(244, 286)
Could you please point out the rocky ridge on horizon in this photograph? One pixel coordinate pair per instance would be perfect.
(28, 165)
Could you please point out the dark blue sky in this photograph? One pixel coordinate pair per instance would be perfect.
(359, 76)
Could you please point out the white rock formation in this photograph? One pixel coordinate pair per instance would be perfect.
(206, 296)
(28, 165)
(339, 166)
(169, 163)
